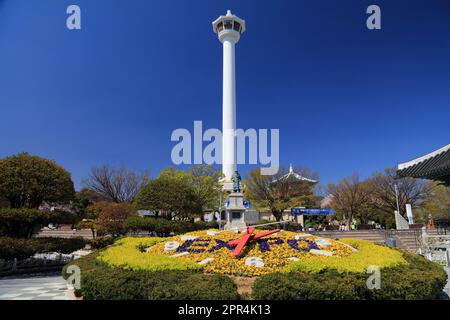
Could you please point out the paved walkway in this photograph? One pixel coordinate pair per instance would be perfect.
(34, 288)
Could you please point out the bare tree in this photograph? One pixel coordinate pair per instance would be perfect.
(117, 185)
(350, 198)
(410, 190)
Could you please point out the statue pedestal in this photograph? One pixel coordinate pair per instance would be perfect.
(235, 211)
(227, 185)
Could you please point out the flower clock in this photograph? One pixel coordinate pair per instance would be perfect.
(252, 253)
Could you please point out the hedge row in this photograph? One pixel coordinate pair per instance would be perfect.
(162, 227)
(288, 226)
(100, 282)
(11, 248)
(22, 223)
(420, 279)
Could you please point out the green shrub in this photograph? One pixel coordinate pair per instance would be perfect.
(11, 248)
(162, 227)
(100, 282)
(288, 226)
(22, 223)
(419, 279)
(328, 285)
(27, 181)
(101, 242)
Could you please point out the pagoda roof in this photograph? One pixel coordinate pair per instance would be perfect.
(292, 174)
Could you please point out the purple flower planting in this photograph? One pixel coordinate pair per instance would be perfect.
(264, 244)
(186, 246)
(220, 244)
(294, 244)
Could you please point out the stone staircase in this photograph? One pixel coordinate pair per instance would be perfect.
(409, 240)
(64, 232)
(377, 236)
(405, 239)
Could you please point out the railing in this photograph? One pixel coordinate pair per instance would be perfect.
(437, 248)
(439, 256)
(33, 265)
(400, 236)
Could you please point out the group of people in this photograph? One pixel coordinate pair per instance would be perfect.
(344, 227)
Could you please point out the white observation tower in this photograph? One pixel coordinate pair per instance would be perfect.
(229, 29)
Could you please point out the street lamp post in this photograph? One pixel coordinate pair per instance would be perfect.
(396, 198)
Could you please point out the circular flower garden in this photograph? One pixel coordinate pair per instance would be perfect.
(211, 252)
(263, 256)
(209, 264)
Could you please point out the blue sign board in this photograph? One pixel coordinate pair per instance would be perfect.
(312, 212)
(245, 203)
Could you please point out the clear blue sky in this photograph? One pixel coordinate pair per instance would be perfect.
(345, 99)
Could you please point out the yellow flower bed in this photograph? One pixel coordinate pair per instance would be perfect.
(211, 254)
(212, 246)
(368, 254)
(129, 253)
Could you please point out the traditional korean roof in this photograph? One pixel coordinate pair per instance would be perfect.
(292, 174)
(432, 166)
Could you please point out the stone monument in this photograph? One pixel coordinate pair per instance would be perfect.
(235, 211)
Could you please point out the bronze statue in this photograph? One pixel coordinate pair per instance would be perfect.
(236, 178)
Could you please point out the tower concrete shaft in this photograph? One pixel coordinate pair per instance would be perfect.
(229, 165)
(229, 29)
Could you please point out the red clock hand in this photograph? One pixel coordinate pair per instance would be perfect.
(255, 237)
(265, 233)
(243, 241)
(246, 238)
(234, 242)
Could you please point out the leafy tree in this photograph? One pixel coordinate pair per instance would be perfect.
(106, 217)
(278, 192)
(438, 202)
(83, 199)
(94, 210)
(181, 194)
(27, 181)
(111, 218)
(205, 181)
(117, 185)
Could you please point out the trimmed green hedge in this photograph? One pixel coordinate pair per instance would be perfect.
(420, 279)
(22, 223)
(328, 285)
(162, 227)
(100, 282)
(287, 226)
(11, 248)
(101, 242)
